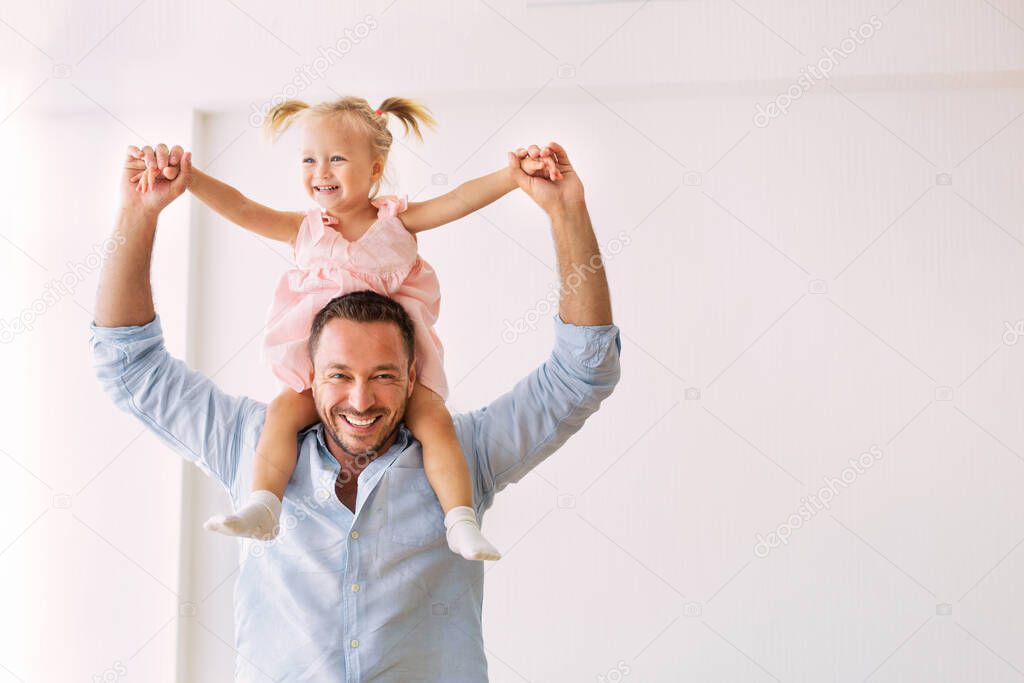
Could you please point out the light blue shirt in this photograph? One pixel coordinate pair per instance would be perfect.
(375, 595)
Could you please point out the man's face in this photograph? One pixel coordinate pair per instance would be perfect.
(361, 375)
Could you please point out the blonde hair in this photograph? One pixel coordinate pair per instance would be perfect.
(357, 110)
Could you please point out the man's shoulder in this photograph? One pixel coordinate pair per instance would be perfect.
(254, 415)
(465, 423)
(465, 426)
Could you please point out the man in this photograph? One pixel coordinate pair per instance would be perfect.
(360, 584)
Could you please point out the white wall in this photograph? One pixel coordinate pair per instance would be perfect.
(90, 537)
(662, 497)
(790, 296)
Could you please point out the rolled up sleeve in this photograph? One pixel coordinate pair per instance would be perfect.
(521, 428)
(182, 407)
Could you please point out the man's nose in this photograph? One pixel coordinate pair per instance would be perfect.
(360, 396)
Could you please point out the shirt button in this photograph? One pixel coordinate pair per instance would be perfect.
(354, 535)
(355, 643)
(355, 587)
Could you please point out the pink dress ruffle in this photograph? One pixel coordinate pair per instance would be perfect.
(385, 260)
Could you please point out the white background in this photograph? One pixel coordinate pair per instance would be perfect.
(790, 296)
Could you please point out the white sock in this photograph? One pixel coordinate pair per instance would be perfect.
(258, 518)
(464, 537)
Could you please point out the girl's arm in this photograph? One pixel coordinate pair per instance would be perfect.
(469, 196)
(282, 226)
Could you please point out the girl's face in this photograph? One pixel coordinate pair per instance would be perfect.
(337, 167)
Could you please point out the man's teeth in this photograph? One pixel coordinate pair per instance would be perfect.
(360, 423)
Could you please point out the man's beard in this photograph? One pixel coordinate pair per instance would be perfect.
(368, 452)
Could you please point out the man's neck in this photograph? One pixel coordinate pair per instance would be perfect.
(346, 486)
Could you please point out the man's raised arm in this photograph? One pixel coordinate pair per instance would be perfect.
(125, 296)
(584, 298)
(182, 407)
(520, 429)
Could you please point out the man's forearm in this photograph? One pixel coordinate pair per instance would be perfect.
(125, 297)
(584, 293)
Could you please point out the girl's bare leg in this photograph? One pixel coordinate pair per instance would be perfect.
(446, 468)
(276, 454)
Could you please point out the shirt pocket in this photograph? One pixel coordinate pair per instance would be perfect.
(414, 513)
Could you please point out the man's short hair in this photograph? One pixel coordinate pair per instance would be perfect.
(363, 307)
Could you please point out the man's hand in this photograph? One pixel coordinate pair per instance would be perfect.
(152, 179)
(563, 191)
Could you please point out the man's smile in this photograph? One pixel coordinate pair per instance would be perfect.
(359, 424)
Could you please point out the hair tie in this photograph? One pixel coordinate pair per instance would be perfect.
(377, 112)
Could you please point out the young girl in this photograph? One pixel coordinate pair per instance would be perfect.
(354, 241)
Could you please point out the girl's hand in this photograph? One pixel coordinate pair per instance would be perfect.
(152, 164)
(562, 193)
(327, 218)
(537, 167)
(163, 191)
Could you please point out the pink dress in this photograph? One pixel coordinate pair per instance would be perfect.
(384, 260)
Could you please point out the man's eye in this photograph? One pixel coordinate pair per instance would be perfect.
(384, 377)
(337, 375)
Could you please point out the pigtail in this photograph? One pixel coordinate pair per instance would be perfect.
(410, 112)
(281, 116)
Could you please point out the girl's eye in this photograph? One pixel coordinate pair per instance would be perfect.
(307, 160)
(337, 158)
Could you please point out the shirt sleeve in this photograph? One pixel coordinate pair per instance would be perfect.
(182, 407)
(521, 428)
